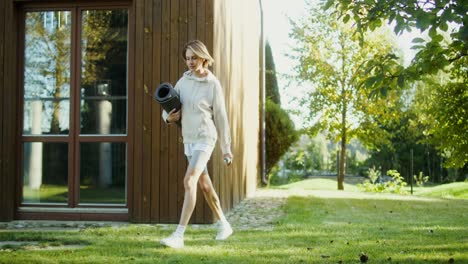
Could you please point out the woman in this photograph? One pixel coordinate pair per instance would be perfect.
(204, 119)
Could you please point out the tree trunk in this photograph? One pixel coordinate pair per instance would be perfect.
(341, 171)
(60, 70)
(344, 108)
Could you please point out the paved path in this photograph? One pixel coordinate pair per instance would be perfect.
(259, 212)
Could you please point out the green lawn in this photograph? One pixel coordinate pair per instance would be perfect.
(322, 183)
(322, 226)
(457, 190)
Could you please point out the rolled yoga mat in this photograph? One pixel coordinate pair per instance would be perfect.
(167, 97)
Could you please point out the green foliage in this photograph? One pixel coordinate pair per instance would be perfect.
(439, 18)
(342, 72)
(446, 52)
(306, 155)
(374, 175)
(443, 109)
(280, 133)
(395, 185)
(371, 185)
(404, 133)
(276, 179)
(271, 82)
(420, 179)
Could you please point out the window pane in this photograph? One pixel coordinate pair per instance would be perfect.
(104, 72)
(47, 72)
(45, 172)
(103, 168)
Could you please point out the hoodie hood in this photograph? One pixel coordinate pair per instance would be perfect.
(189, 74)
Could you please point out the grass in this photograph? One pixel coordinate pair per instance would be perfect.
(321, 183)
(49, 193)
(321, 226)
(455, 190)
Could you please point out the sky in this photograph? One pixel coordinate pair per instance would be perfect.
(277, 27)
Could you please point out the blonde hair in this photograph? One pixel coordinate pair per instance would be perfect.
(199, 49)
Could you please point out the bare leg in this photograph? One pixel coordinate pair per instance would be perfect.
(190, 184)
(210, 194)
(197, 163)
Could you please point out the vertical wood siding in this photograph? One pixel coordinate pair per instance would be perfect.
(8, 112)
(162, 28)
(235, 37)
(3, 197)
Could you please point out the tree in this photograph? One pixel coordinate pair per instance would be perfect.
(305, 154)
(446, 52)
(47, 61)
(405, 134)
(442, 108)
(436, 16)
(330, 56)
(272, 91)
(280, 133)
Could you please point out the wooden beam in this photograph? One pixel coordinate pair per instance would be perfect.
(9, 114)
(156, 121)
(138, 112)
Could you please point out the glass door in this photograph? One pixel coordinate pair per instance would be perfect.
(75, 107)
(47, 107)
(103, 106)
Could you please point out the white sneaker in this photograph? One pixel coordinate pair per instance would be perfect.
(224, 231)
(173, 241)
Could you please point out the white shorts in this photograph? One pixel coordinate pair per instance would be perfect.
(198, 155)
(189, 148)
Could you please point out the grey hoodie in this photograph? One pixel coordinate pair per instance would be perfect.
(203, 115)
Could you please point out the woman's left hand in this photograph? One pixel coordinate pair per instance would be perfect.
(227, 158)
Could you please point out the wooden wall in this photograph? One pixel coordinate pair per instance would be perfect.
(236, 54)
(8, 109)
(162, 28)
(230, 29)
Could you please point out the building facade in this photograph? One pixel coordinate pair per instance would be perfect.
(81, 136)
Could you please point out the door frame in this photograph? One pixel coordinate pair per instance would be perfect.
(74, 211)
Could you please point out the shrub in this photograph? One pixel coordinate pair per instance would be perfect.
(372, 184)
(421, 179)
(395, 185)
(280, 133)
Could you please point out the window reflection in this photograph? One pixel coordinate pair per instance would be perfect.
(103, 169)
(104, 72)
(47, 72)
(45, 172)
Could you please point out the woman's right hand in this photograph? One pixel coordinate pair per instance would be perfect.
(173, 116)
